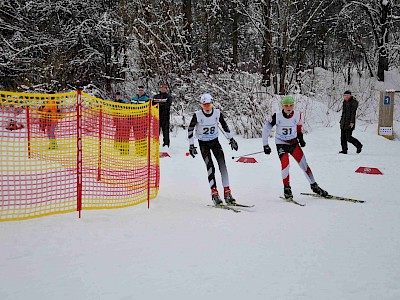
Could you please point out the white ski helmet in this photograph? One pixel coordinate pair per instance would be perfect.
(206, 98)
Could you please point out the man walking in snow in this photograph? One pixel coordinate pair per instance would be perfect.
(348, 122)
(288, 137)
(205, 123)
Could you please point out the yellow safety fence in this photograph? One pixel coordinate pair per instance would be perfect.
(71, 151)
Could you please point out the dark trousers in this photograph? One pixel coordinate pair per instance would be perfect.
(164, 128)
(346, 136)
(214, 147)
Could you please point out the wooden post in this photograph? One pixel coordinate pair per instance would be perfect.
(386, 107)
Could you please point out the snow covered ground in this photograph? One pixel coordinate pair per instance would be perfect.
(182, 249)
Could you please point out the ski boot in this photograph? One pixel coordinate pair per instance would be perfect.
(215, 197)
(229, 200)
(287, 192)
(359, 148)
(316, 189)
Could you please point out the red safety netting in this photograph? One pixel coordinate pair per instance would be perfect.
(71, 151)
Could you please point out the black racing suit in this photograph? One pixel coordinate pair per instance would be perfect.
(212, 146)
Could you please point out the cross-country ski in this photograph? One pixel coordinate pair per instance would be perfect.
(331, 197)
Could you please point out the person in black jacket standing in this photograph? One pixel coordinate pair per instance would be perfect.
(348, 122)
(164, 99)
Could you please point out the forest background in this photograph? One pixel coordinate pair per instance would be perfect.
(243, 52)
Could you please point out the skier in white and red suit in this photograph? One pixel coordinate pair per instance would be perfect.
(288, 139)
(205, 124)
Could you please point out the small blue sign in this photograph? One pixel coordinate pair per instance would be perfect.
(386, 100)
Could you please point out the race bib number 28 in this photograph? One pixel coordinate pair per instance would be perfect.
(209, 130)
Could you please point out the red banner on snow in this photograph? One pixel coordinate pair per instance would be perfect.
(369, 170)
(247, 160)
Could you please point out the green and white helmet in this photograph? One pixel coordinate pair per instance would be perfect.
(287, 100)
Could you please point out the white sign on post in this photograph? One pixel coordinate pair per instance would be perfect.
(385, 130)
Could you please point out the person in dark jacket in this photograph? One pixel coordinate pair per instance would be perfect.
(164, 99)
(348, 122)
(141, 96)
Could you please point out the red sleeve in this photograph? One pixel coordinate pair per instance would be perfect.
(299, 128)
(300, 125)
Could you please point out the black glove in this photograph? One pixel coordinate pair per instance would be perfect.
(302, 143)
(300, 138)
(234, 144)
(192, 150)
(267, 149)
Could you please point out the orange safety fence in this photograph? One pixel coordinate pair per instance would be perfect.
(71, 151)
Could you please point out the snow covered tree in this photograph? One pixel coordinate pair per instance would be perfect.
(371, 25)
(61, 44)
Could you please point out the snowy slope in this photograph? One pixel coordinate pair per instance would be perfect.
(182, 249)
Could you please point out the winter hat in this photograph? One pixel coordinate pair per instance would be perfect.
(347, 93)
(206, 98)
(287, 100)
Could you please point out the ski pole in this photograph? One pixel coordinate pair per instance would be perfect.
(233, 157)
(223, 132)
